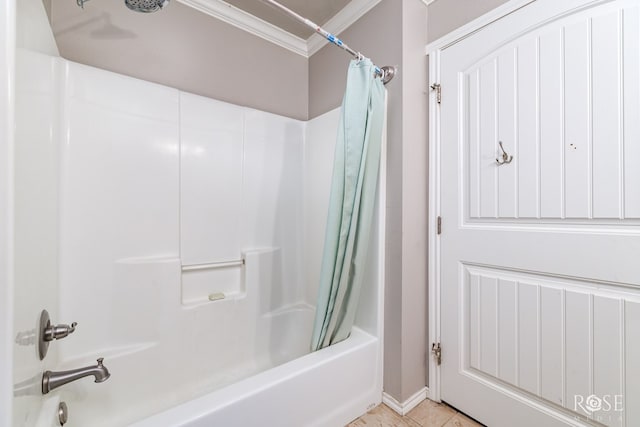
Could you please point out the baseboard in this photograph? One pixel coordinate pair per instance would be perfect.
(406, 406)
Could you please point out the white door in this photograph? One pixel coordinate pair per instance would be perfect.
(540, 257)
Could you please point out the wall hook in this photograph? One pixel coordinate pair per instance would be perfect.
(506, 158)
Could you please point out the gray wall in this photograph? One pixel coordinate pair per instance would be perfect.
(414, 199)
(185, 49)
(393, 33)
(447, 15)
(378, 35)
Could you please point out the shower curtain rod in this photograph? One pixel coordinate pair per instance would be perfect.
(386, 73)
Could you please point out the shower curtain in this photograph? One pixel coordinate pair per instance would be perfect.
(351, 204)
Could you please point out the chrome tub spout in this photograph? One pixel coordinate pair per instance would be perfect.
(52, 380)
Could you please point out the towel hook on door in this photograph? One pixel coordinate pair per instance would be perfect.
(506, 158)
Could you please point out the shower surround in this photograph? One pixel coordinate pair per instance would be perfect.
(153, 180)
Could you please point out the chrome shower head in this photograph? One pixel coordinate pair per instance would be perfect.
(146, 6)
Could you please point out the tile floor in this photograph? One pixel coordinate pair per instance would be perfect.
(426, 414)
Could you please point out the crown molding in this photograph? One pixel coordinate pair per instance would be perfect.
(353, 11)
(237, 17)
(250, 23)
(475, 25)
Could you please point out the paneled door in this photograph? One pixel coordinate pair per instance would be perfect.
(540, 247)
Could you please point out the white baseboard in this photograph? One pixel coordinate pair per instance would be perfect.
(406, 406)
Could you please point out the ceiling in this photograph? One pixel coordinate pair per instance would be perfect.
(256, 17)
(318, 11)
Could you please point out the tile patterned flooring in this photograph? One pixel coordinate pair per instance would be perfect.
(426, 414)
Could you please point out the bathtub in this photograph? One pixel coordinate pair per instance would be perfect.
(197, 372)
(319, 389)
(324, 388)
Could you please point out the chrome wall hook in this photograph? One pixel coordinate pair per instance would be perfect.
(506, 158)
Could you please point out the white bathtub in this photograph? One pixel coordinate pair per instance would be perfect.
(324, 388)
(329, 387)
(194, 370)
(281, 387)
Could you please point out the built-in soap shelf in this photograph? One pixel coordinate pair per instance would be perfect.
(211, 282)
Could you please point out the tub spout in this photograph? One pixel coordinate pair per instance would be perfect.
(52, 380)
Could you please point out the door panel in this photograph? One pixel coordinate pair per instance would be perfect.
(564, 113)
(576, 120)
(506, 100)
(526, 144)
(631, 106)
(540, 284)
(557, 332)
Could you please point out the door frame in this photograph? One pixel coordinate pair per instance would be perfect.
(7, 93)
(433, 51)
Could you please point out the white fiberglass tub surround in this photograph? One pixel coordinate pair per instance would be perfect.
(153, 180)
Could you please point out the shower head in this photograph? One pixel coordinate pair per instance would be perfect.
(146, 6)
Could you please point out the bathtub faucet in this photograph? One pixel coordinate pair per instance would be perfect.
(52, 380)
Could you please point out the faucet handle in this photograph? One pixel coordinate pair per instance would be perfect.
(56, 332)
(49, 332)
(99, 360)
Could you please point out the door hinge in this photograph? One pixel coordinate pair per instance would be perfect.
(438, 89)
(436, 350)
(439, 225)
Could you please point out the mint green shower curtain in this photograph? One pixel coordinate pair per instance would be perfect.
(351, 204)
